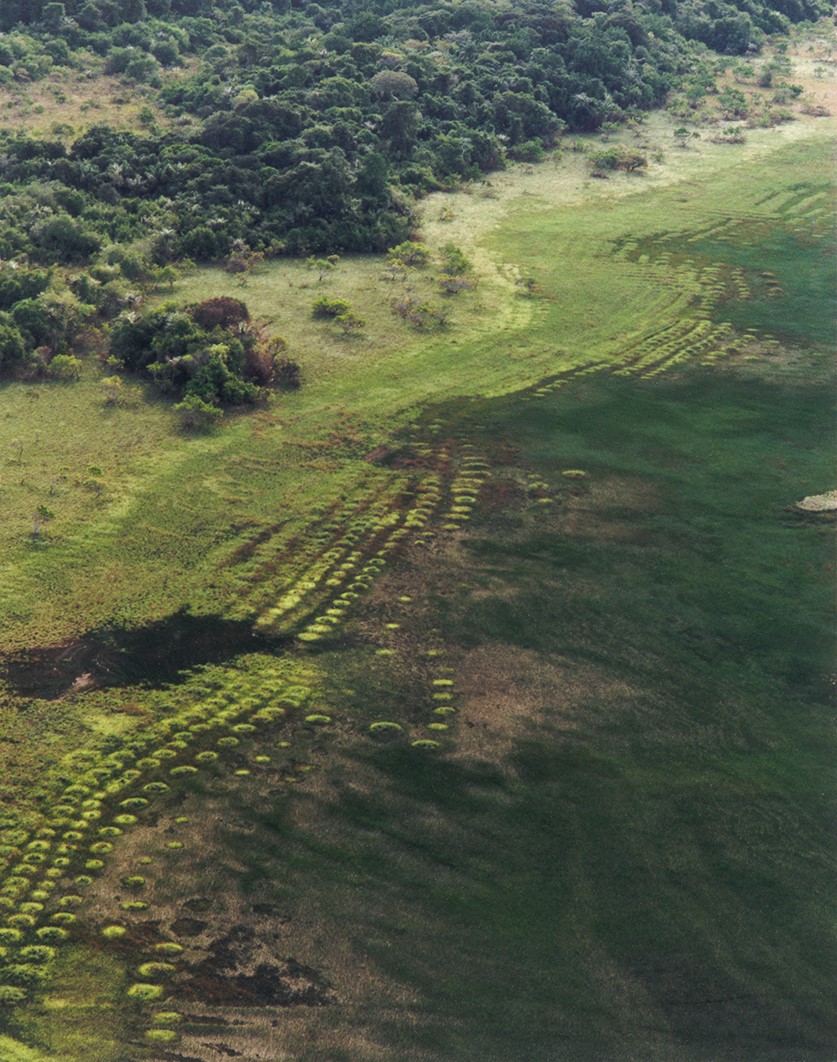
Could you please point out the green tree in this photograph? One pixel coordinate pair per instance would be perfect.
(41, 516)
(394, 85)
(410, 253)
(12, 345)
(321, 266)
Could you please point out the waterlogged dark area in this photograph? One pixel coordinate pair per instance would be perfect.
(153, 655)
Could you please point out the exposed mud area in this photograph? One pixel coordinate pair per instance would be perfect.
(228, 977)
(112, 656)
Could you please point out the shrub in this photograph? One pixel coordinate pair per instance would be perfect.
(454, 260)
(64, 367)
(220, 312)
(21, 921)
(325, 307)
(197, 415)
(453, 284)
(618, 157)
(70, 901)
(421, 315)
(167, 1017)
(10, 995)
(155, 787)
(22, 974)
(114, 932)
(350, 323)
(317, 719)
(286, 373)
(134, 882)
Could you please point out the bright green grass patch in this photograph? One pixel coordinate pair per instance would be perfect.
(82, 1017)
(14, 1051)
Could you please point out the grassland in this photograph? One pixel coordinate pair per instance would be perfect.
(617, 848)
(64, 105)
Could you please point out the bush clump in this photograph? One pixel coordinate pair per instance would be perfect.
(328, 308)
(618, 157)
(209, 355)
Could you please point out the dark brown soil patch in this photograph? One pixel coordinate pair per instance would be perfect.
(188, 927)
(288, 985)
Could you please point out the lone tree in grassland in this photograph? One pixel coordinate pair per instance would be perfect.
(454, 260)
(41, 516)
(323, 265)
(112, 390)
(409, 253)
(619, 158)
(456, 269)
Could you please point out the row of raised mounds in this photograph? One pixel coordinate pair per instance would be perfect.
(81, 829)
(387, 535)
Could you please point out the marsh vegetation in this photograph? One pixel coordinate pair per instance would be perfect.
(469, 700)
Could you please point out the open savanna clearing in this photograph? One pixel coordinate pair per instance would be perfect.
(62, 107)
